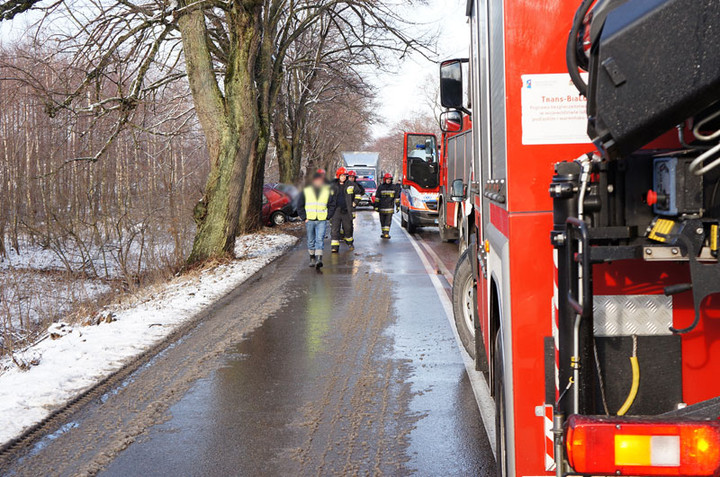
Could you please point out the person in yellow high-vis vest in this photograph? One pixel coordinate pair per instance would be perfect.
(316, 207)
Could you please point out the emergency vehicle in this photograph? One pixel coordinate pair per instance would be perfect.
(365, 165)
(588, 290)
(420, 181)
(455, 164)
(370, 185)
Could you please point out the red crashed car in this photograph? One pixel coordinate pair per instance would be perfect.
(279, 203)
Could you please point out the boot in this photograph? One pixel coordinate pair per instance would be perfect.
(387, 235)
(351, 246)
(318, 263)
(312, 260)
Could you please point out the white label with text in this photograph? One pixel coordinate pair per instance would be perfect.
(553, 112)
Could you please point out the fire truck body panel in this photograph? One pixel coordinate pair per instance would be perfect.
(456, 164)
(531, 306)
(700, 349)
(520, 38)
(515, 47)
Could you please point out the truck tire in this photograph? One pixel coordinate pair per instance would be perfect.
(501, 462)
(462, 236)
(403, 222)
(463, 299)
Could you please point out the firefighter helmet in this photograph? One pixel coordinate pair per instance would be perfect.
(387, 176)
(341, 171)
(320, 171)
(352, 174)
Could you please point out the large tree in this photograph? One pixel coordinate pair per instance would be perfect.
(320, 69)
(233, 54)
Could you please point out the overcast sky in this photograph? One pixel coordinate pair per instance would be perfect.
(403, 93)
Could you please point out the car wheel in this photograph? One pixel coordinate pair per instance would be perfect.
(278, 218)
(463, 299)
(411, 228)
(500, 411)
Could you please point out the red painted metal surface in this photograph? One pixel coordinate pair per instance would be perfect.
(531, 272)
(450, 214)
(701, 347)
(500, 219)
(405, 180)
(535, 34)
(535, 37)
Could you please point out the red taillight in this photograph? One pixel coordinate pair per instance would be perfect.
(619, 446)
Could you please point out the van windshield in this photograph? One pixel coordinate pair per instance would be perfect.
(362, 172)
(368, 184)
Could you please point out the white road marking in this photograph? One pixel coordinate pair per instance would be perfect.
(480, 388)
(440, 265)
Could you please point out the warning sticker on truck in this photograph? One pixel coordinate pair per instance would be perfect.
(553, 112)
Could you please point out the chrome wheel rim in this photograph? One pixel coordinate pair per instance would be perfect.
(468, 304)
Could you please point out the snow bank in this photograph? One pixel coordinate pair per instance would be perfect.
(82, 355)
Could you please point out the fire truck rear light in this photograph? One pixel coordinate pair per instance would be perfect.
(647, 450)
(621, 446)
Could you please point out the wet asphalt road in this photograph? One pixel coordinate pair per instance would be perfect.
(352, 371)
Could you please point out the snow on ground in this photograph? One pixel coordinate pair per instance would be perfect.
(83, 355)
(109, 259)
(28, 297)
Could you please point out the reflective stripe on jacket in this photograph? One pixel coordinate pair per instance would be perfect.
(387, 196)
(345, 193)
(359, 190)
(316, 208)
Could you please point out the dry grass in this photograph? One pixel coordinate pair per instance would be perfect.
(32, 298)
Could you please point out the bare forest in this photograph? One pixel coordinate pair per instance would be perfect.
(136, 136)
(73, 229)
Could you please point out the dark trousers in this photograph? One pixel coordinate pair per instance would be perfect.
(385, 222)
(341, 220)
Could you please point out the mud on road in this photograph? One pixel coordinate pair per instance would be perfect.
(96, 433)
(354, 371)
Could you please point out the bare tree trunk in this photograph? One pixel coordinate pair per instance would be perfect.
(251, 211)
(290, 151)
(266, 77)
(230, 126)
(284, 151)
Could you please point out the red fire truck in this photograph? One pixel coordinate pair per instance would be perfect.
(420, 181)
(594, 308)
(455, 164)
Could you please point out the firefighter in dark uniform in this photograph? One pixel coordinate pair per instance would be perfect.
(387, 201)
(342, 221)
(359, 189)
